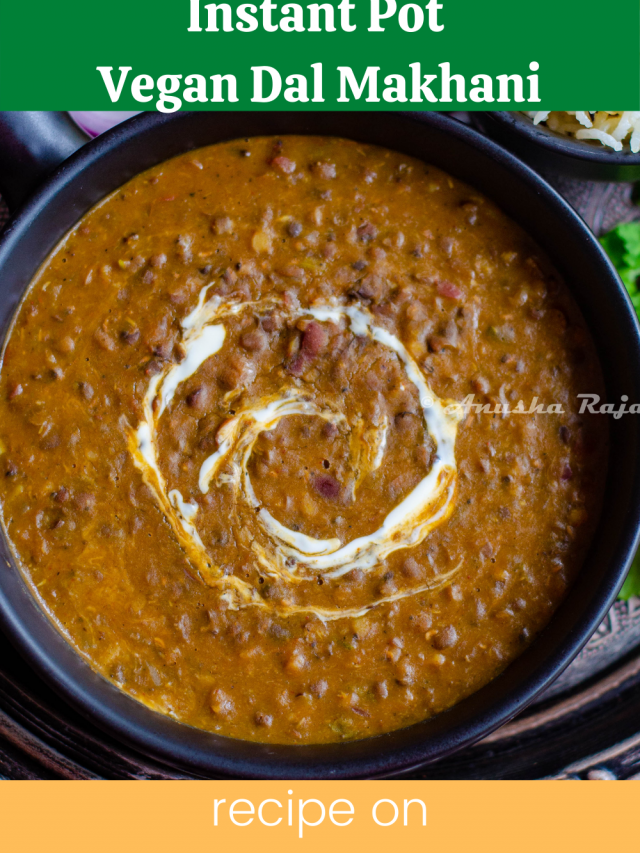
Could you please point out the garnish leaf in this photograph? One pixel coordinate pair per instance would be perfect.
(622, 244)
(631, 586)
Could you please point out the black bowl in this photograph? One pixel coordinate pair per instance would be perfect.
(551, 152)
(106, 163)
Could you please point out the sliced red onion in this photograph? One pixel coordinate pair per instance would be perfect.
(95, 123)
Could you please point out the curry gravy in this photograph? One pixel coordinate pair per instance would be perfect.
(235, 467)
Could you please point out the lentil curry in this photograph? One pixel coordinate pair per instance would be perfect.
(234, 471)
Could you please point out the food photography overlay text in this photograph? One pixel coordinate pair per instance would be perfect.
(363, 55)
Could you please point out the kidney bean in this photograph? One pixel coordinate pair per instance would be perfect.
(50, 441)
(283, 164)
(85, 502)
(62, 495)
(196, 398)
(445, 638)
(327, 486)
(67, 345)
(254, 341)
(380, 689)
(86, 390)
(314, 339)
(130, 336)
(185, 251)
(372, 287)
(388, 585)
(104, 340)
(330, 430)
(319, 688)
(411, 568)
(367, 232)
(423, 621)
(449, 290)
(158, 261)
(221, 703)
(222, 225)
(324, 170)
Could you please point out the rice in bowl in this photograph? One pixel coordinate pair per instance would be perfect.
(612, 129)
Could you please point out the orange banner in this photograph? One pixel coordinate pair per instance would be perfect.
(496, 817)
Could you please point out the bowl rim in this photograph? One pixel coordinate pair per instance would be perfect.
(545, 137)
(183, 746)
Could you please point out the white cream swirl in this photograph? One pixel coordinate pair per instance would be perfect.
(281, 551)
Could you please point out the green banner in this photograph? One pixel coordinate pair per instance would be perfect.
(363, 54)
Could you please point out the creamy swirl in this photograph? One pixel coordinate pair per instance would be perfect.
(280, 551)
